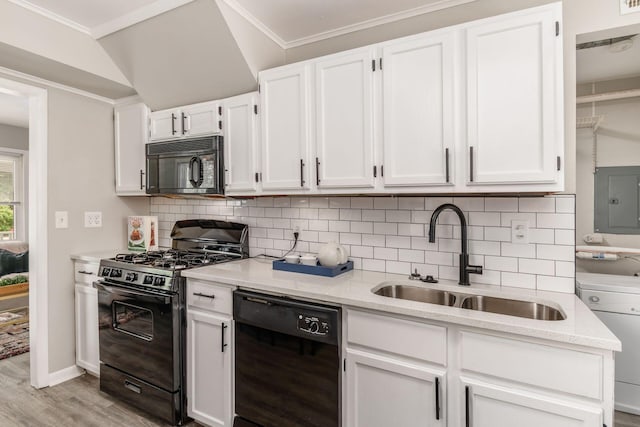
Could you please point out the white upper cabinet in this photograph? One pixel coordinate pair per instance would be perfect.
(284, 99)
(241, 144)
(201, 119)
(514, 98)
(130, 134)
(418, 77)
(344, 120)
(185, 122)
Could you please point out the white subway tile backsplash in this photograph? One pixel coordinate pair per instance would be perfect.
(410, 255)
(537, 204)
(556, 252)
(566, 221)
(416, 203)
(390, 233)
(385, 253)
(398, 242)
(373, 240)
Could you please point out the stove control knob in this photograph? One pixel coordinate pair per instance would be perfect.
(116, 273)
(148, 280)
(131, 277)
(159, 281)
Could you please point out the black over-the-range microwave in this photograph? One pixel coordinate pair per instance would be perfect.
(189, 166)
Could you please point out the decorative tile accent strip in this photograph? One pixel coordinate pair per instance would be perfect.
(389, 234)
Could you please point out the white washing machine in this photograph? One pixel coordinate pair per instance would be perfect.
(616, 301)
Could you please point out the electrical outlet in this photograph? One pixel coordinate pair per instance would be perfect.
(93, 219)
(520, 232)
(62, 219)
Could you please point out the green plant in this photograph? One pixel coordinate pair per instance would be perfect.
(6, 218)
(14, 280)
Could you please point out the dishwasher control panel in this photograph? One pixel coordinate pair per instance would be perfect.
(313, 324)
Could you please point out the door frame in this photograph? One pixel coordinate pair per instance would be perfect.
(38, 227)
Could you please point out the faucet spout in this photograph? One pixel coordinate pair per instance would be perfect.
(465, 268)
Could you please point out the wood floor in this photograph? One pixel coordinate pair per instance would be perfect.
(79, 403)
(73, 403)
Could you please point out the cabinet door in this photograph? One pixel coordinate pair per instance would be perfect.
(285, 133)
(131, 124)
(165, 124)
(418, 110)
(383, 392)
(240, 144)
(201, 119)
(344, 120)
(514, 98)
(209, 349)
(489, 405)
(87, 348)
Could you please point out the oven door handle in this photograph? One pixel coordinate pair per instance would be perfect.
(143, 296)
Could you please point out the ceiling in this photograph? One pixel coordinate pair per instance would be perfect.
(289, 23)
(604, 63)
(14, 110)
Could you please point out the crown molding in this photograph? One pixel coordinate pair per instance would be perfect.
(8, 72)
(233, 4)
(53, 16)
(432, 7)
(136, 16)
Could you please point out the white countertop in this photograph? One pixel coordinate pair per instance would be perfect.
(96, 256)
(581, 327)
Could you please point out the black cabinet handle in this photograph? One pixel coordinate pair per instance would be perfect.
(222, 337)
(184, 127)
(141, 179)
(256, 176)
(173, 124)
(467, 408)
(446, 164)
(437, 398)
(200, 294)
(301, 173)
(317, 171)
(85, 272)
(471, 164)
(375, 171)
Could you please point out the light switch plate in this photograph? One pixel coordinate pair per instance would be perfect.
(520, 232)
(62, 219)
(93, 219)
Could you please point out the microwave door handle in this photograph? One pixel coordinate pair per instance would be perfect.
(200, 176)
(192, 180)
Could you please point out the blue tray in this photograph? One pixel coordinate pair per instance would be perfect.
(317, 270)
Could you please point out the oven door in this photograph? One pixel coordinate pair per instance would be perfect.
(140, 333)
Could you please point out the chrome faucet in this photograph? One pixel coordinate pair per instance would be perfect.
(465, 268)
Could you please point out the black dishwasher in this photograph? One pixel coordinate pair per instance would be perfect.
(287, 362)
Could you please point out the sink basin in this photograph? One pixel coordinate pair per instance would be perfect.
(512, 307)
(415, 293)
(509, 307)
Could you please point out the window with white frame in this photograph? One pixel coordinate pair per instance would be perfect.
(12, 195)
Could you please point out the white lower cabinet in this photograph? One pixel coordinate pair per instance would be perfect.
(209, 354)
(385, 391)
(412, 373)
(87, 344)
(491, 405)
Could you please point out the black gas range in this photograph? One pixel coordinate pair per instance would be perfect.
(141, 304)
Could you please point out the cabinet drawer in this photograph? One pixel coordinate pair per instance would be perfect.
(209, 296)
(403, 337)
(540, 365)
(85, 272)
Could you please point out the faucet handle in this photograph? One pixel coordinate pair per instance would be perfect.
(475, 269)
(415, 275)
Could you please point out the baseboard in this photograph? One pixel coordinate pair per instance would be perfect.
(65, 374)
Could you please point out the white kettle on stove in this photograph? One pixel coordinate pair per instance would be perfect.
(332, 254)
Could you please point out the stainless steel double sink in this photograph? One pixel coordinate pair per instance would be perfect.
(509, 307)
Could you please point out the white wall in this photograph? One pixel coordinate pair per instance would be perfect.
(34, 33)
(14, 137)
